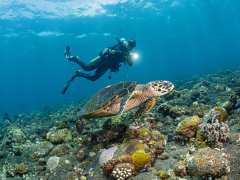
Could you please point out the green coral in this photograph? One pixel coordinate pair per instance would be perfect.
(44, 135)
(116, 120)
(21, 168)
(78, 126)
(62, 135)
(55, 117)
(62, 125)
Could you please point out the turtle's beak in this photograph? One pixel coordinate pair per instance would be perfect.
(168, 85)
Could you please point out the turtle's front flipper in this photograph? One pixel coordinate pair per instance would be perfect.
(134, 94)
(146, 107)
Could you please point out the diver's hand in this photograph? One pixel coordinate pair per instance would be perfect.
(67, 52)
(73, 58)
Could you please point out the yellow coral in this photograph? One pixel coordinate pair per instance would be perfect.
(140, 159)
(200, 140)
(188, 126)
(141, 147)
(74, 176)
(163, 175)
(223, 114)
(144, 133)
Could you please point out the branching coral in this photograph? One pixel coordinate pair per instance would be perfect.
(123, 171)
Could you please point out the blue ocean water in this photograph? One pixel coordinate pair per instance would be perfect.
(175, 40)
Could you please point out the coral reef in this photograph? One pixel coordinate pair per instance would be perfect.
(185, 136)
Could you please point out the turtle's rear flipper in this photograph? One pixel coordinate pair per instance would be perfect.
(134, 94)
(146, 107)
(80, 124)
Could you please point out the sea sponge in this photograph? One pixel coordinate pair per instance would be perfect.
(140, 159)
(108, 167)
(127, 159)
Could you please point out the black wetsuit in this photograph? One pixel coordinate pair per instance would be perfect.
(111, 61)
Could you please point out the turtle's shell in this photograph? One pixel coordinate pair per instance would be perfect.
(106, 96)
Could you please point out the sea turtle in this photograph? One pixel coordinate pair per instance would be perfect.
(124, 96)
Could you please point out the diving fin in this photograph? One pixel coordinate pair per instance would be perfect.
(65, 87)
(76, 74)
(67, 52)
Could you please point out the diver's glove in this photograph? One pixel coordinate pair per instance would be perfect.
(67, 52)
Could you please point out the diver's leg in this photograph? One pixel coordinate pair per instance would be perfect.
(98, 73)
(93, 77)
(93, 65)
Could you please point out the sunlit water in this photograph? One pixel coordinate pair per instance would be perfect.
(175, 40)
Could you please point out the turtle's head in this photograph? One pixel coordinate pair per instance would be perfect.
(160, 88)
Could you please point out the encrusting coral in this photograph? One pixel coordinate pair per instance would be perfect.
(188, 127)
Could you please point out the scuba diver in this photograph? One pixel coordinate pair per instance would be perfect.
(109, 58)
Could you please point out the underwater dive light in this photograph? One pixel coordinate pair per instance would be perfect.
(134, 56)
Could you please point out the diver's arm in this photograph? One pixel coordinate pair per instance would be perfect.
(129, 60)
